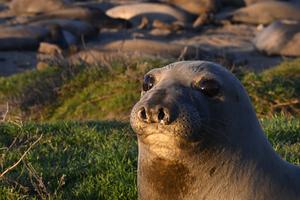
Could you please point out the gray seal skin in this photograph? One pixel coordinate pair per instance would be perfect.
(199, 138)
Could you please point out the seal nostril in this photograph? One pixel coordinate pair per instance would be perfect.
(142, 114)
(161, 114)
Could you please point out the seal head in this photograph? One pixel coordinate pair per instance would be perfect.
(188, 102)
(199, 138)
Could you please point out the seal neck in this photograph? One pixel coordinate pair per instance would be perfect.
(240, 171)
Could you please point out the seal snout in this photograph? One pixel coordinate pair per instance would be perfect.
(159, 114)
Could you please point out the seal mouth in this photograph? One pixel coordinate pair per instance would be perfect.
(162, 145)
(181, 128)
(156, 136)
(145, 130)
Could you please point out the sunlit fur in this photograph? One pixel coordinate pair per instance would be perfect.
(213, 148)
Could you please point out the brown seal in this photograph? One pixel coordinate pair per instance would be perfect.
(135, 12)
(280, 38)
(197, 7)
(266, 12)
(199, 138)
(32, 7)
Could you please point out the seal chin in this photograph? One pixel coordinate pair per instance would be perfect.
(160, 144)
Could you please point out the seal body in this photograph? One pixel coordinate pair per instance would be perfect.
(199, 138)
(152, 11)
(197, 7)
(31, 7)
(280, 38)
(266, 12)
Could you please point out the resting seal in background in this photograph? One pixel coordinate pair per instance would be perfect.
(266, 12)
(32, 7)
(199, 138)
(280, 38)
(134, 13)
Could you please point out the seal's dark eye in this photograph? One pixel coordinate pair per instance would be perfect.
(148, 82)
(208, 87)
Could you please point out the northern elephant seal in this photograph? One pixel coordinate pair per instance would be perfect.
(154, 48)
(199, 138)
(31, 7)
(267, 12)
(197, 7)
(76, 27)
(135, 48)
(95, 16)
(280, 38)
(135, 12)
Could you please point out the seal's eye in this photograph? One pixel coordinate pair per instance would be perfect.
(208, 87)
(148, 82)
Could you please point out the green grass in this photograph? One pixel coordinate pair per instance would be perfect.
(284, 134)
(109, 92)
(276, 90)
(91, 92)
(95, 160)
(103, 98)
